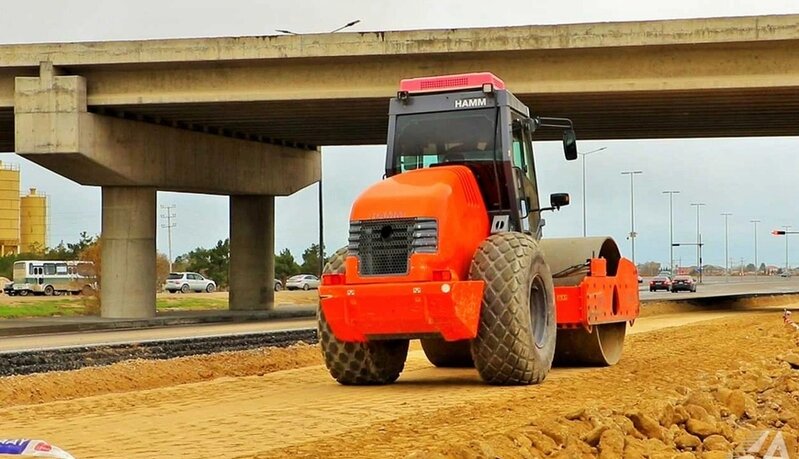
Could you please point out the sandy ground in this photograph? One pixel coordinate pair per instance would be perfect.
(282, 403)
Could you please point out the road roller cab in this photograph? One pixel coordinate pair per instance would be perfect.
(447, 248)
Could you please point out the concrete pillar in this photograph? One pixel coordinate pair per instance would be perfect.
(252, 252)
(128, 252)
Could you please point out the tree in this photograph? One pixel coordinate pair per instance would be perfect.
(750, 267)
(310, 260)
(74, 250)
(650, 268)
(161, 270)
(212, 263)
(92, 252)
(285, 265)
(763, 268)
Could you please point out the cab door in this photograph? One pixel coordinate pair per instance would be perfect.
(524, 175)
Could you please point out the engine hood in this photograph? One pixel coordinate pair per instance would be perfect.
(421, 193)
(447, 194)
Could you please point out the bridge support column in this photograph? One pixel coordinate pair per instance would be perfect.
(128, 252)
(252, 252)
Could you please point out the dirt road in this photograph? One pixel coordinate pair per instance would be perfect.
(242, 409)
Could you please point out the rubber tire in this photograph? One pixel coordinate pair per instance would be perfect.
(48, 290)
(306, 287)
(369, 363)
(448, 354)
(185, 288)
(278, 287)
(505, 350)
(24, 293)
(210, 288)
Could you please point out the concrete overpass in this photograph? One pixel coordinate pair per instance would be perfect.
(244, 116)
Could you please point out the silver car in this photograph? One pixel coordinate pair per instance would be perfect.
(302, 281)
(188, 282)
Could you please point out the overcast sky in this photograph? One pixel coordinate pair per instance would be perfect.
(753, 178)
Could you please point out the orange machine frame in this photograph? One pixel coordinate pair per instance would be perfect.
(451, 308)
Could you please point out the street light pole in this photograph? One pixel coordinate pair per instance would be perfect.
(584, 212)
(632, 174)
(757, 267)
(698, 238)
(787, 268)
(726, 246)
(671, 229)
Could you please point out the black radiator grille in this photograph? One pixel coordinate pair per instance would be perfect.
(384, 246)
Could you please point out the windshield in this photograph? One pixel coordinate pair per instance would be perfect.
(425, 139)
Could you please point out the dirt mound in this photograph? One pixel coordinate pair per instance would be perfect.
(655, 308)
(136, 375)
(740, 411)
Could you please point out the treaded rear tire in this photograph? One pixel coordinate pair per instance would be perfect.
(505, 350)
(448, 354)
(369, 363)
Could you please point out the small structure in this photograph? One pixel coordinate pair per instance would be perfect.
(33, 221)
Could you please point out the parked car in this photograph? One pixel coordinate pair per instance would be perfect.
(188, 282)
(686, 283)
(785, 274)
(302, 281)
(278, 285)
(660, 283)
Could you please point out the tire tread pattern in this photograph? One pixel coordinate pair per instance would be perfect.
(504, 350)
(370, 363)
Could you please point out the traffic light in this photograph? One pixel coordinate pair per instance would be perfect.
(778, 233)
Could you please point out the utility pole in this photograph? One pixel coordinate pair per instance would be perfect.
(757, 267)
(170, 223)
(726, 246)
(632, 174)
(699, 244)
(671, 228)
(584, 212)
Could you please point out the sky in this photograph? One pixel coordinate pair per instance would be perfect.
(752, 178)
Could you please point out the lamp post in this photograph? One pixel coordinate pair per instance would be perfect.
(785, 232)
(726, 247)
(671, 229)
(787, 266)
(699, 244)
(584, 155)
(757, 268)
(632, 175)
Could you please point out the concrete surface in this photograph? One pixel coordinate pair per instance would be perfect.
(128, 252)
(734, 285)
(131, 160)
(252, 248)
(74, 328)
(244, 116)
(656, 79)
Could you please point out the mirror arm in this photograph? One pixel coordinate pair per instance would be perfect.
(546, 121)
(543, 209)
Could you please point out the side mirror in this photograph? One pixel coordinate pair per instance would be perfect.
(524, 207)
(570, 144)
(558, 200)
